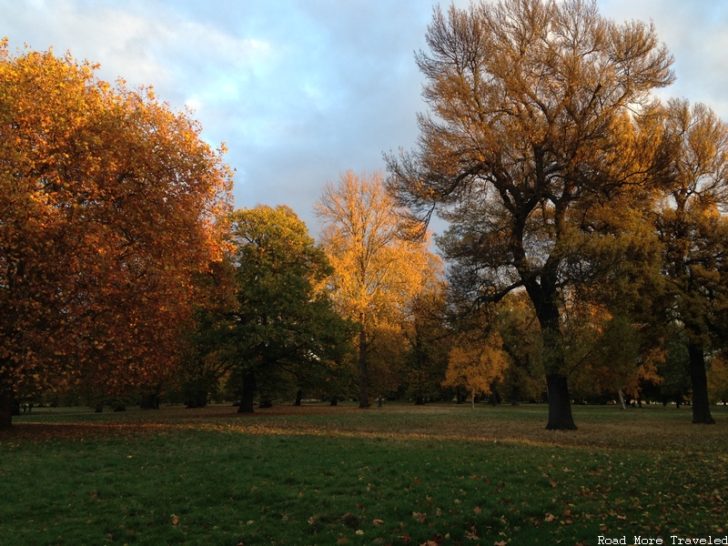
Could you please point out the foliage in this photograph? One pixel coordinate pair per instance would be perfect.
(690, 223)
(376, 274)
(718, 377)
(530, 133)
(108, 203)
(429, 338)
(282, 320)
(518, 327)
(476, 363)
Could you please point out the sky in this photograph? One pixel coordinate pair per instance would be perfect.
(301, 91)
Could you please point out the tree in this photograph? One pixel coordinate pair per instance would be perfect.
(376, 273)
(428, 338)
(694, 233)
(718, 378)
(476, 363)
(108, 203)
(533, 132)
(283, 318)
(518, 328)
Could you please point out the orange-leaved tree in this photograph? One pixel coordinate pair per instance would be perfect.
(376, 273)
(476, 363)
(108, 202)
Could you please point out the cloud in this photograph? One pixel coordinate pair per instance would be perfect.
(302, 90)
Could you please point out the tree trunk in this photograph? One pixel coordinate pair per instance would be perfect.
(247, 394)
(559, 403)
(363, 371)
(334, 401)
(299, 397)
(545, 304)
(419, 400)
(622, 402)
(699, 380)
(6, 408)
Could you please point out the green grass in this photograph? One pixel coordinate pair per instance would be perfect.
(399, 475)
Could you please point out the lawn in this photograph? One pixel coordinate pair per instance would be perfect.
(396, 475)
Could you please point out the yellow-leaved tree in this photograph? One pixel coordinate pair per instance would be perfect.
(376, 273)
(476, 363)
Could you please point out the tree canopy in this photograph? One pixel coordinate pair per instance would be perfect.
(531, 138)
(282, 317)
(376, 273)
(108, 202)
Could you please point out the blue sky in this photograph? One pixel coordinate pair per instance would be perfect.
(301, 91)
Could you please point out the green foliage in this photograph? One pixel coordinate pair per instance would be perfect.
(283, 323)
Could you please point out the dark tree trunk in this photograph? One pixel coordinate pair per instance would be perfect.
(559, 404)
(299, 397)
(460, 396)
(334, 401)
(99, 408)
(363, 370)
(699, 380)
(15, 407)
(6, 408)
(419, 400)
(545, 303)
(247, 395)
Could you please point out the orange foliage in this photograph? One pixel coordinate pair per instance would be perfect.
(476, 363)
(377, 274)
(107, 209)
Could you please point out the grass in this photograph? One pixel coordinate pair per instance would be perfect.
(396, 475)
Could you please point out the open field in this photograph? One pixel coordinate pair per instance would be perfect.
(395, 475)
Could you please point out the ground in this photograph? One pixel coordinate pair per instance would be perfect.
(401, 474)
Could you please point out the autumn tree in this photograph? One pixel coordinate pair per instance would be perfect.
(518, 328)
(375, 272)
(428, 336)
(108, 202)
(691, 224)
(476, 362)
(282, 318)
(533, 131)
(718, 378)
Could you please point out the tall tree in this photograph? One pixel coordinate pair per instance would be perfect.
(376, 273)
(283, 317)
(107, 209)
(692, 226)
(530, 136)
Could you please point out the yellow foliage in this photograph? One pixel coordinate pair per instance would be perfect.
(476, 363)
